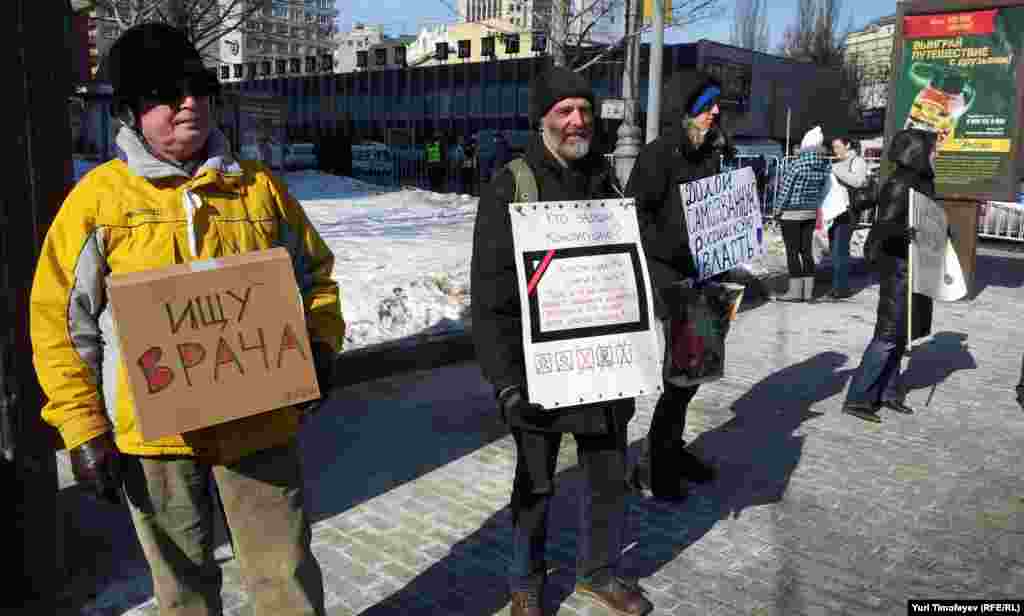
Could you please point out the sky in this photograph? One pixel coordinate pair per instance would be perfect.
(406, 16)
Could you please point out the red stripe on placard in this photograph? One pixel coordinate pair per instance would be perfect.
(950, 24)
(535, 279)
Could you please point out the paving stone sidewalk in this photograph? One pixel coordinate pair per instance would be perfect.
(815, 512)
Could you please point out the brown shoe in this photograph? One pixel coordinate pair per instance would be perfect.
(617, 596)
(527, 603)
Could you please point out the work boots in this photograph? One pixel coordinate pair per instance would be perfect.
(617, 596)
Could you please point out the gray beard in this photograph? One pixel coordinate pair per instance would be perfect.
(580, 149)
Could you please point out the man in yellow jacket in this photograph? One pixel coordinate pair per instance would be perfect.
(175, 194)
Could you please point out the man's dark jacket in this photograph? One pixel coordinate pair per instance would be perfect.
(497, 324)
(663, 165)
(887, 247)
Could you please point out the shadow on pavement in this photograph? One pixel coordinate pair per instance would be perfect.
(997, 270)
(372, 437)
(934, 361)
(756, 452)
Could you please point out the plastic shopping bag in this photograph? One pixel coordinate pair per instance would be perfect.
(837, 199)
(699, 320)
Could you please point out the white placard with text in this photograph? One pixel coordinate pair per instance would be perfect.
(585, 296)
(723, 220)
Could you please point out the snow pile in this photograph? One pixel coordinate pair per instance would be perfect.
(401, 257)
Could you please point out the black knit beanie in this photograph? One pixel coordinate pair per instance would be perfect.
(556, 84)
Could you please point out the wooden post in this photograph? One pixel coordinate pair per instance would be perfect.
(39, 142)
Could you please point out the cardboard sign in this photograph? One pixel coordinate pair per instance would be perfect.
(723, 218)
(585, 295)
(211, 341)
(936, 269)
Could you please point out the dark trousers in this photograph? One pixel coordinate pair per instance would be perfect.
(798, 235)
(436, 175)
(468, 177)
(666, 432)
(877, 379)
(602, 507)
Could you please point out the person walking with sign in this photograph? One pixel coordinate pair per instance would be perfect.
(852, 173)
(690, 149)
(876, 383)
(176, 194)
(558, 165)
(804, 184)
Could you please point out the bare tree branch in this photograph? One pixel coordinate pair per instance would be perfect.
(750, 25)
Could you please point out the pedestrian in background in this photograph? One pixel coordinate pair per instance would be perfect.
(468, 167)
(876, 383)
(690, 149)
(852, 173)
(564, 168)
(128, 215)
(435, 163)
(804, 184)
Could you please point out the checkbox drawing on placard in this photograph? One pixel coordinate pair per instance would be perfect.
(563, 359)
(624, 354)
(585, 359)
(544, 363)
(605, 358)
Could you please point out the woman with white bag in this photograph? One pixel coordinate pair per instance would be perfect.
(851, 171)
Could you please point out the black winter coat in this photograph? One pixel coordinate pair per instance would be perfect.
(887, 247)
(663, 165)
(497, 321)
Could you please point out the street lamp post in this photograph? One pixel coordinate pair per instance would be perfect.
(627, 148)
(654, 74)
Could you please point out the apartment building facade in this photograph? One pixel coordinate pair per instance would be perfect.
(870, 50)
(273, 37)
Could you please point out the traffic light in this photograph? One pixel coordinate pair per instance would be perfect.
(362, 59)
(380, 56)
(487, 47)
(465, 50)
(400, 55)
(282, 66)
(310, 64)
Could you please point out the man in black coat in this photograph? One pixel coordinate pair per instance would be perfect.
(691, 148)
(565, 169)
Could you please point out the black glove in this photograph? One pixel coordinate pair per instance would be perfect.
(910, 234)
(96, 465)
(514, 404)
(323, 361)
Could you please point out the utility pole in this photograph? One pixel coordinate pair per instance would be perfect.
(39, 139)
(654, 74)
(627, 148)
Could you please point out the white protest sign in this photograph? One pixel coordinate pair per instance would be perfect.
(723, 218)
(937, 271)
(586, 303)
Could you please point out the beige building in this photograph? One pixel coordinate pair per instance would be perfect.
(870, 50)
(422, 50)
(280, 38)
(360, 38)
